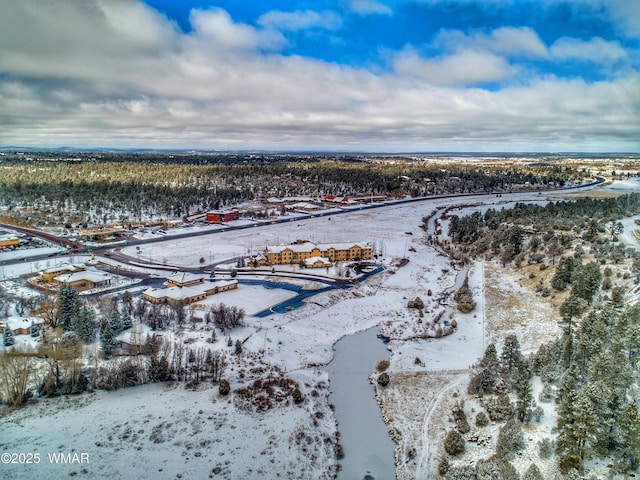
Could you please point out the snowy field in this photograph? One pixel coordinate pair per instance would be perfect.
(158, 432)
(252, 298)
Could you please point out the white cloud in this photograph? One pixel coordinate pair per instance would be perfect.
(626, 16)
(216, 26)
(369, 7)
(300, 20)
(117, 73)
(595, 50)
(465, 67)
(515, 41)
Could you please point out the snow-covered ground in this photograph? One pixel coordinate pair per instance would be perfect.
(164, 431)
(26, 253)
(194, 435)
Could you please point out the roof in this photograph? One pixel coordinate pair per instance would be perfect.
(220, 283)
(307, 205)
(343, 245)
(183, 293)
(313, 260)
(174, 293)
(107, 231)
(295, 247)
(94, 277)
(186, 277)
(65, 267)
(323, 247)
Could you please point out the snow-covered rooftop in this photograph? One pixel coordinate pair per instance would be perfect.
(91, 276)
(186, 277)
(65, 267)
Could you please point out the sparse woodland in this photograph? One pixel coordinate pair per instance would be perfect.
(589, 374)
(59, 364)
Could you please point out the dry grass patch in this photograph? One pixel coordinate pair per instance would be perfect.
(514, 307)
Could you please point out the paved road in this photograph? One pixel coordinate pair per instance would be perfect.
(109, 249)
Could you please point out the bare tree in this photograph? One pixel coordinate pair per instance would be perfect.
(47, 307)
(16, 370)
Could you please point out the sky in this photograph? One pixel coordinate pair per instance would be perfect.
(324, 75)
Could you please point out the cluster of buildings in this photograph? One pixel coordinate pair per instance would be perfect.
(186, 288)
(76, 275)
(21, 326)
(315, 255)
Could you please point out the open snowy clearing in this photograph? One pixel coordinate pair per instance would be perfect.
(164, 431)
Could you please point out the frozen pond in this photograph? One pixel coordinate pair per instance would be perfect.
(368, 448)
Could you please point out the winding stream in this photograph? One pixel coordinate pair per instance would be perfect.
(368, 448)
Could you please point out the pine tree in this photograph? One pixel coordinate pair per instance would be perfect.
(34, 331)
(524, 396)
(490, 357)
(577, 435)
(107, 339)
(68, 306)
(7, 337)
(511, 358)
(85, 325)
(127, 323)
(586, 281)
(628, 438)
(496, 467)
(115, 323)
(574, 306)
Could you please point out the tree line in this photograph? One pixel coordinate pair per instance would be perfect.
(133, 187)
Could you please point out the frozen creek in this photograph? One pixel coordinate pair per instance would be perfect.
(368, 448)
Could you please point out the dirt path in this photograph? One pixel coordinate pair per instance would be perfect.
(426, 464)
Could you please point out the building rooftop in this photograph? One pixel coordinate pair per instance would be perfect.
(94, 277)
(186, 277)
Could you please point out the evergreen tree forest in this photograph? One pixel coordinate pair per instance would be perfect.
(590, 374)
(550, 228)
(97, 188)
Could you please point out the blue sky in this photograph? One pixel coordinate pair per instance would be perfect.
(360, 75)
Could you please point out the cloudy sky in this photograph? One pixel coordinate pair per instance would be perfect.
(359, 75)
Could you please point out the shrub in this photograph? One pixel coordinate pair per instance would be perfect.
(382, 365)
(532, 473)
(496, 467)
(297, 395)
(383, 379)
(460, 418)
(453, 442)
(546, 395)
(545, 448)
(443, 465)
(482, 420)
(537, 414)
(461, 473)
(463, 425)
(500, 408)
(483, 383)
(416, 303)
(224, 387)
(510, 439)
